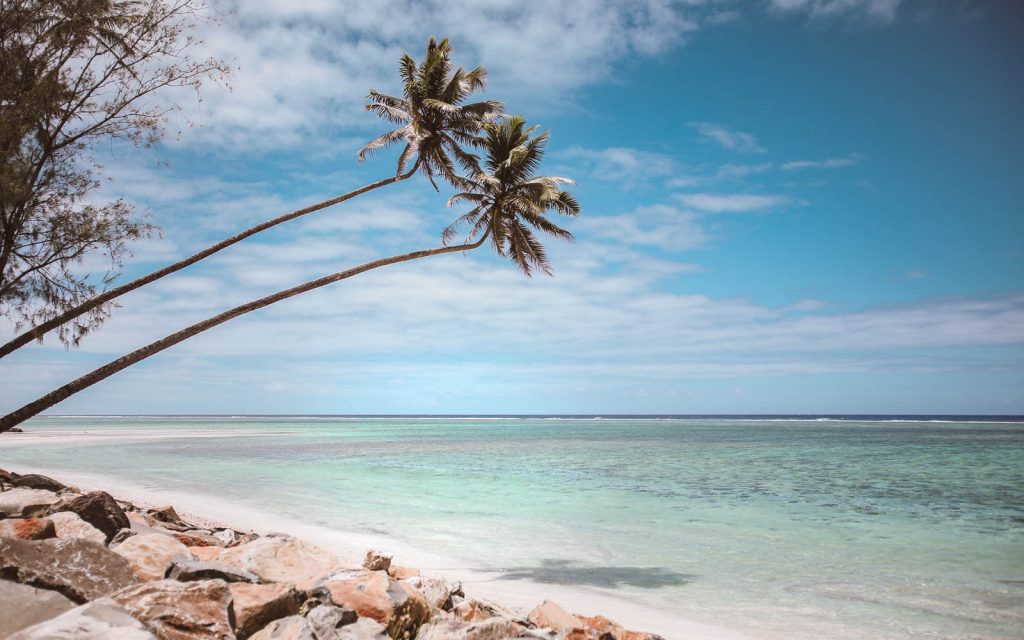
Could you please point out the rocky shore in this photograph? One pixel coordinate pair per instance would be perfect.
(76, 565)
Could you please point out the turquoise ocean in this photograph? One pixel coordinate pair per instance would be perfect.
(778, 527)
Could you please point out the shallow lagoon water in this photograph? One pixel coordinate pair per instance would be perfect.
(780, 528)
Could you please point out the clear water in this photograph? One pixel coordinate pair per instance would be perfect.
(780, 528)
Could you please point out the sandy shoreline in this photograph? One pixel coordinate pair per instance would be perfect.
(351, 546)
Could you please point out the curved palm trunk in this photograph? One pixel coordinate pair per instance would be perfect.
(37, 332)
(16, 417)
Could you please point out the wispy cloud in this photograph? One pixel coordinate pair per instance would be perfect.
(880, 10)
(731, 202)
(829, 163)
(727, 138)
(623, 166)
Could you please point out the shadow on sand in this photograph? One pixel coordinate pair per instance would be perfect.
(552, 571)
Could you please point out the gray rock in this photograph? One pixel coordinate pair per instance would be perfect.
(101, 511)
(327, 619)
(290, 628)
(362, 629)
(37, 481)
(226, 536)
(188, 570)
(99, 620)
(77, 568)
(24, 606)
(22, 502)
(437, 592)
(489, 629)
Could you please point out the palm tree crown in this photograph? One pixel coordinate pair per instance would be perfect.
(508, 198)
(434, 122)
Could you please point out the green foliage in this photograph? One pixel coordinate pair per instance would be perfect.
(435, 124)
(509, 199)
(77, 72)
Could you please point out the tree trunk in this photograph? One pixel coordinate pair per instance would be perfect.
(17, 417)
(37, 332)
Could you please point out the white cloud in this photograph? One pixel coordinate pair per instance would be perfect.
(727, 138)
(830, 163)
(622, 166)
(731, 202)
(880, 10)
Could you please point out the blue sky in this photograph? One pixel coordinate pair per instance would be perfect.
(788, 206)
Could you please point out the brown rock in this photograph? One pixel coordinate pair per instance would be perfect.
(69, 525)
(396, 605)
(488, 629)
(181, 610)
(28, 528)
(78, 569)
(22, 502)
(100, 510)
(165, 514)
(550, 615)
(400, 573)
(279, 558)
(101, 619)
(257, 605)
(24, 606)
(376, 561)
(290, 628)
(190, 569)
(37, 481)
(151, 554)
(197, 539)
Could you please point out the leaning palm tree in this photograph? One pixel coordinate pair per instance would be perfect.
(508, 199)
(435, 124)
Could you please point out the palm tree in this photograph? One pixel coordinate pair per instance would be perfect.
(436, 123)
(509, 199)
(507, 195)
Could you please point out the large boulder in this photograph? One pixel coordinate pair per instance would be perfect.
(24, 606)
(396, 605)
(37, 481)
(181, 610)
(487, 629)
(257, 605)
(151, 554)
(28, 528)
(190, 569)
(278, 558)
(100, 510)
(79, 569)
(102, 619)
(23, 502)
(69, 525)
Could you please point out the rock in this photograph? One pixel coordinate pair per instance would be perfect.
(327, 619)
(400, 573)
(77, 568)
(24, 606)
(15, 430)
(101, 511)
(28, 528)
(487, 629)
(181, 610)
(376, 561)
(22, 502)
(69, 526)
(226, 537)
(120, 536)
(280, 559)
(437, 592)
(548, 614)
(165, 514)
(257, 605)
(151, 554)
(191, 569)
(37, 481)
(195, 538)
(396, 605)
(362, 629)
(206, 554)
(290, 628)
(8, 476)
(473, 610)
(102, 619)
